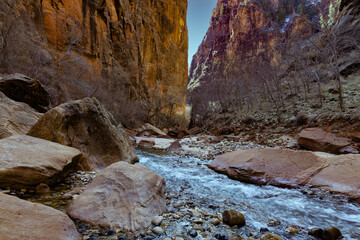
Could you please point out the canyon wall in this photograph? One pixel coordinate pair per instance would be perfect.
(138, 45)
(241, 31)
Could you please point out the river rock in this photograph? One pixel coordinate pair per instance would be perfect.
(25, 220)
(341, 176)
(157, 220)
(27, 161)
(174, 146)
(122, 196)
(270, 236)
(158, 230)
(152, 130)
(15, 117)
(232, 217)
(24, 89)
(146, 143)
(331, 233)
(280, 167)
(86, 125)
(316, 232)
(316, 139)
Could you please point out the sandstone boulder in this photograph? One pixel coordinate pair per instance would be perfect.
(27, 161)
(122, 196)
(342, 176)
(146, 143)
(152, 130)
(86, 125)
(316, 139)
(280, 167)
(25, 220)
(24, 89)
(15, 117)
(174, 146)
(289, 168)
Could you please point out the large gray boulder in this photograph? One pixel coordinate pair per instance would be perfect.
(123, 196)
(25, 220)
(27, 161)
(86, 125)
(15, 117)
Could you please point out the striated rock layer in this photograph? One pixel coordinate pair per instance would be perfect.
(139, 44)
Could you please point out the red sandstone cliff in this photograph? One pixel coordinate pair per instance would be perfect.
(138, 45)
(240, 32)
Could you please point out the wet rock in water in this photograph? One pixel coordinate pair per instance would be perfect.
(27, 161)
(88, 126)
(157, 220)
(219, 236)
(279, 167)
(15, 117)
(122, 196)
(264, 229)
(174, 146)
(232, 217)
(215, 221)
(331, 233)
(42, 188)
(193, 233)
(158, 230)
(24, 89)
(341, 175)
(25, 220)
(270, 236)
(292, 230)
(316, 139)
(316, 232)
(146, 143)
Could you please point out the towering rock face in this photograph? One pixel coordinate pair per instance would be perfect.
(241, 31)
(144, 42)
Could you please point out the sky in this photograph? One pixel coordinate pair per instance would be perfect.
(198, 21)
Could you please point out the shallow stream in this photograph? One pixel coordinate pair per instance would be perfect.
(263, 206)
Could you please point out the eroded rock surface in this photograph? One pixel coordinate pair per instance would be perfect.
(27, 161)
(289, 168)
(25, 220)
(280, 167)
(316, 139)
(122, 196)
(86, 125)
(15, 117)
(342, 175)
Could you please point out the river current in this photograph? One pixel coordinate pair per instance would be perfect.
(259, 204)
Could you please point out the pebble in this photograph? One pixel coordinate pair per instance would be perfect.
(158, 230)
(198, 221)
(157, 220)
(215, 221)
(178, 204)
(193, 233)
(270, 236)
(292, 230)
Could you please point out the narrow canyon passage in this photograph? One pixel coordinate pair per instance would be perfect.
(190, 181)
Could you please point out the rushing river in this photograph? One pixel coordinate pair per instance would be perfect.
(259, 204)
